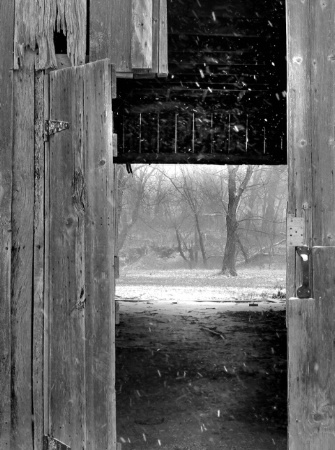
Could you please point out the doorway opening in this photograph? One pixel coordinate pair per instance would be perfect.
(201, 354)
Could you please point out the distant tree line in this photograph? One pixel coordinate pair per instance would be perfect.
(201, 212)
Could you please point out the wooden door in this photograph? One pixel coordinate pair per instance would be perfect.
(311, 163)
(79, 337)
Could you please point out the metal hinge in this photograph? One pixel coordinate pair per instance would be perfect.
(50, 443)
(54, 126)
(295, 231)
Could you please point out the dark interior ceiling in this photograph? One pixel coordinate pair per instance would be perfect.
(224, 100)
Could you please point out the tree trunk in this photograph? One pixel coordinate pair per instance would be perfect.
(229, 258)
(181, 251)
(234, 198)
(244, 251)
(200, 240)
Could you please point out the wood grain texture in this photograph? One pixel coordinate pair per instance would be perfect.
(299, 134)
(133, 35)
(163, 40)
(6, 108)
(99, 250)
(110, 32)
(22, 254)
(47, 279)
(141, 34)
(38, 261)
(155, 35)
(67, 286)
(35, 23)
(323, 91)
(301, 317)
(101, 33)
(312, 361)
(82, 354)
(159, 38)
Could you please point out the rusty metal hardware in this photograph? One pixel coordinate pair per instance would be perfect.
(304, 290)
(54, 126)
(50, 443)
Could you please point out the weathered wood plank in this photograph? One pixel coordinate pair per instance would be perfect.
(35, 23)
(62, 275)
(110, 32)
(79, 202)
(67, 286)
(322, 384)
(46, 303)
(102, 39)
(312, 361)
(141, 39)
(22, 253)
(323, 91)
(155, 35)
(159, 39)
(6, 108)
(163, 39)
(299, 39)
(38, 258)
(100, 315)
(301, 317)
(132, 34)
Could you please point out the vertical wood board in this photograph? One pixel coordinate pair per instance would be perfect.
(110, 32)
(67, 287)
(22, 254)
(81, 379)
(323, 94)
(132, 34)
(323, 337)
(99, 250)
(38, 261)
(163, 39)
(141, 34)
(155, 35)
(299, 123)
(312, 361)
(35, 23)
(301, 350)
(101, 39)
(159, 38)
(47, 278)
(6, 109)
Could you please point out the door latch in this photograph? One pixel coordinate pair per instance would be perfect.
(304, 291)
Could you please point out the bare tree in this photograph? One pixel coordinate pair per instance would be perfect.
(235, 193)
(130, 197)
(187, 186)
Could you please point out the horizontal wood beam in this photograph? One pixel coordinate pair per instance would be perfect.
(216, 34)
(187, 158)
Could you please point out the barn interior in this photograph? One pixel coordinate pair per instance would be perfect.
(224, 97)
(197, 370)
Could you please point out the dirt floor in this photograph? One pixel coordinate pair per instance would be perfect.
(201, 360)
